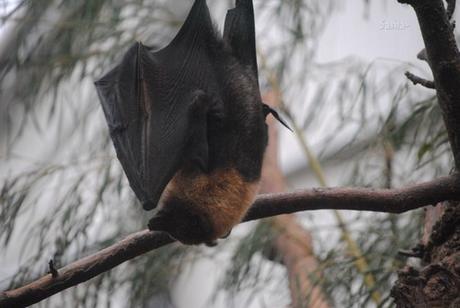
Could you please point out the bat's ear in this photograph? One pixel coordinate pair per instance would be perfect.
(158, 223)
(267, 109)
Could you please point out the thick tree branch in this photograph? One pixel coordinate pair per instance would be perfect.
(360, 199)
(444, 60)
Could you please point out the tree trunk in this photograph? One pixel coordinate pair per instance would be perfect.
(293, 244)
(437, 283)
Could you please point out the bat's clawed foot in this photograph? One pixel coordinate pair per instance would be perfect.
(200, 103)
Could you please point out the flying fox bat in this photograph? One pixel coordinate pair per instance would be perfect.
(188, 124)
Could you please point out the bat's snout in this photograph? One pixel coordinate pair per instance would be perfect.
(148, 205)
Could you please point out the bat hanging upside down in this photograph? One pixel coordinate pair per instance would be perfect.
(188, 124)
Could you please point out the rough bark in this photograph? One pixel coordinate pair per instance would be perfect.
(437, 283)
(292, 244)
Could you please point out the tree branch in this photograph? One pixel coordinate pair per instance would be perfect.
(360, 199)
(444, 60)
(419, 80)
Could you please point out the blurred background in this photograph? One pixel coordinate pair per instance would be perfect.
(336, 71)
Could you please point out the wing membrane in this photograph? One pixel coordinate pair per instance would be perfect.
(147, 100)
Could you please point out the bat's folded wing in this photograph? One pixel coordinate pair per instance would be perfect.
(147, 101)
(239, 33)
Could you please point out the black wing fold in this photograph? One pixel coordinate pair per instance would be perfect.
(147, 103)
(239, 33)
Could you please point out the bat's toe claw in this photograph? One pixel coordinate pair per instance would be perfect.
(148, 205)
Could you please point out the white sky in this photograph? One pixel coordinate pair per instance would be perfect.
(390, 32)
(7, 5)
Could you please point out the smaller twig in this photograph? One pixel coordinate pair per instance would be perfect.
(52, 269)
(419, 80)
(416, 252)
(422, 55)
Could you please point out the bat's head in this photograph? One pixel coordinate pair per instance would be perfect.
(183, 222)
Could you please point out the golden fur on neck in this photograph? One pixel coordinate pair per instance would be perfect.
(222, 196)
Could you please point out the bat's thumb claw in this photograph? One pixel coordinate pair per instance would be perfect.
(267, 109)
